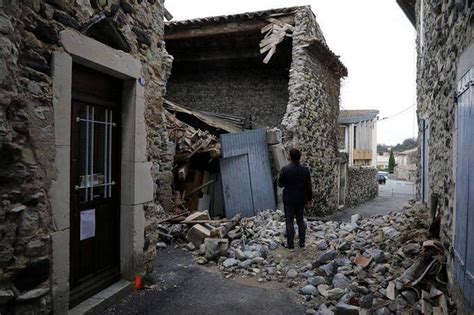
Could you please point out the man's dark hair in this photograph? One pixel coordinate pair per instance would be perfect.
(295, 155)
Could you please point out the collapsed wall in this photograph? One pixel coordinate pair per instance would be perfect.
(297, 91)
(29, 37)
(310, 121)
(362, 185)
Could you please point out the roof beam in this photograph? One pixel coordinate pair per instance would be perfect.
(195, 31)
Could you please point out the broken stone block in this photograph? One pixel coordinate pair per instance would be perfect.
(274, 136)
(197, 234)
(346, 309)
(201, 260)
(215, 247)
(200, 215)
(230, 262)
(327, 256)
(234, 234)
(340, 281)
(309, 290)
(239, 254)
(355, 218)
(292, 273)
(35, 248)
(161, 245)
(5, 296)
(32, 294)
(17, 209)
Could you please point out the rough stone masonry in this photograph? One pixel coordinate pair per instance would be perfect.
(29, 34)
(297, 91)
(445, 30)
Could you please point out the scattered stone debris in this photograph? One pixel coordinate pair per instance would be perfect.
(379, 265)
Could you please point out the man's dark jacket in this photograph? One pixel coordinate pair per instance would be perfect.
(296, 180)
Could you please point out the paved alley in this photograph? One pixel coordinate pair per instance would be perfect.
(183, 287)
(392, 197)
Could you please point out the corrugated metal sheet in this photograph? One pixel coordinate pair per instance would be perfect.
(464, 233)
(246, 173)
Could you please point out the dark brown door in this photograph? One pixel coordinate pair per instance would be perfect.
(95, 182)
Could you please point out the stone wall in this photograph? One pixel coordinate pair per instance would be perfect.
(29, 34)
(447, 32)
(362, 185)
(241, 87)
(310, 121)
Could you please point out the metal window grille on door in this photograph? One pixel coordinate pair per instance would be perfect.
(96, 138)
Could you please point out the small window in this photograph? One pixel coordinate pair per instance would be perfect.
(355, 137)
(342, 139)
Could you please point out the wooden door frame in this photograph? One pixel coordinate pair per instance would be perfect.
(137, 188)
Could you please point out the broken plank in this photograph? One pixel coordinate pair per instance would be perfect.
(206, 221)
(201, 186)
(269, 55)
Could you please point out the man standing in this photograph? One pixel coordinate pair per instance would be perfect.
(297, 192)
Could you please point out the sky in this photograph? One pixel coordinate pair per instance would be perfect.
(374, 40)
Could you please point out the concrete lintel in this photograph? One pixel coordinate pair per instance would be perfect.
(60, 270)
(91, 53)
(99, 302)
(132, 240)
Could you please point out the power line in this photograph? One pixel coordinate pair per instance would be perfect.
(399, 113)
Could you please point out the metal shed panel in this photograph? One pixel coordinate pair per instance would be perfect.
(236, 186)
(254, 144)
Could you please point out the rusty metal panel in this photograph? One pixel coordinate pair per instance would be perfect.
(251, 147)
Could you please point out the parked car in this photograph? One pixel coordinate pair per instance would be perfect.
(382, 179)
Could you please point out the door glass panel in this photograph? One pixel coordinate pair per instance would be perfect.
(95, 151)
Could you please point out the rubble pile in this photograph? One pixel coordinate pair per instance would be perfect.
(380, 265)
(189, 140)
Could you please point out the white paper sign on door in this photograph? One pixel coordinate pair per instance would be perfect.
(87, 224)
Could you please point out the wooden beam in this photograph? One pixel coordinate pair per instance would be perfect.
(196, 31)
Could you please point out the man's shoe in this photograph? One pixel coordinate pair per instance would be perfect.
(302, 245)
(289, 246)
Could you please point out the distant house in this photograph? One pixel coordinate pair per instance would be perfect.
(358, 136)
(405, 168)
(382, 160)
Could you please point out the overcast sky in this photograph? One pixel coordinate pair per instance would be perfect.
(375, 40)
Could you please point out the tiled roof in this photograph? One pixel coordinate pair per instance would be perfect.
(231, 18)
(358, 115)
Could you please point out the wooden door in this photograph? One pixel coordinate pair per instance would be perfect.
(95, 183)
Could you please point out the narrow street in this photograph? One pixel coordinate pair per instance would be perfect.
(345, 268)
(391, 198)
(236, 157)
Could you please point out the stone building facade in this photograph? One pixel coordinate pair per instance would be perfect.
(218, 68)
(445, 55)
(41, 42)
